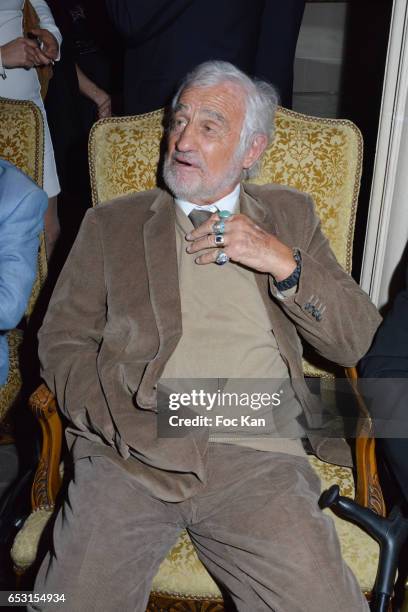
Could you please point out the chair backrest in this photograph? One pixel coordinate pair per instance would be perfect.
(22, 144)
(322, 157)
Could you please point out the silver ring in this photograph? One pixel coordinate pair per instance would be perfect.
(222, 258)
(218, 227)
(219, 239)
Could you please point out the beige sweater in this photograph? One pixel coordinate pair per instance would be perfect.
(227, 335)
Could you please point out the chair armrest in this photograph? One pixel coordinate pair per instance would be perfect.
(368, 488)
(47, 479)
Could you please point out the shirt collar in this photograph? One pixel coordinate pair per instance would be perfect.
(229, 202)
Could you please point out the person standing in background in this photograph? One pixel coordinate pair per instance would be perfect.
(77, 96)
(19, 81)
(275, 55)
(166, 38)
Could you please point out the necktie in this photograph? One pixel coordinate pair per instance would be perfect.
(197, 217)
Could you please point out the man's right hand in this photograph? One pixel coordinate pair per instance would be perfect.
(22, 53)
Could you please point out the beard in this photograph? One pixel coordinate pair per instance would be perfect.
(199, 188)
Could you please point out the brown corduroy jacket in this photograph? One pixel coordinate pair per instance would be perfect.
(115, 318)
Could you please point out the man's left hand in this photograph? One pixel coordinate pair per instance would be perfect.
(245, 243)
(49, 46)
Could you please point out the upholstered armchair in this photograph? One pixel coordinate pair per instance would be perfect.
(22, 143)
(320, 156)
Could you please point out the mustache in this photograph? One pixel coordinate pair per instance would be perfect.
(186, 158)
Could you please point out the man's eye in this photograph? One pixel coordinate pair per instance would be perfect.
(178, 123)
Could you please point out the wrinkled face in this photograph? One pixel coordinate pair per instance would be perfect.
(202, 163)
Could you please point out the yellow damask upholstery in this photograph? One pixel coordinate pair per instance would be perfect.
(22, 136)
(22, 143)
(9, 391)
(25, 546)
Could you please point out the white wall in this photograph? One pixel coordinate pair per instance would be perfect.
(387, 228)
(319, 52)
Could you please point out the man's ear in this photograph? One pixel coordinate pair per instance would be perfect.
(258, 146)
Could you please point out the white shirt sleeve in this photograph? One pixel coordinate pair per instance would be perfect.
(47, 20)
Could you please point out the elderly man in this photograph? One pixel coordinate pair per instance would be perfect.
(142, 299)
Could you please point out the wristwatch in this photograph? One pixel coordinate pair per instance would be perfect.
(293, 279)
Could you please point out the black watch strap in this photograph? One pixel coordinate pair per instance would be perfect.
(293, 279)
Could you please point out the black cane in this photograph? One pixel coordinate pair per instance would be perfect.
(390, 533)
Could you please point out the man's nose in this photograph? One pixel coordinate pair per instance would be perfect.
(186, 140)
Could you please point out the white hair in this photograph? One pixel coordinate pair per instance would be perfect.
(261, 101)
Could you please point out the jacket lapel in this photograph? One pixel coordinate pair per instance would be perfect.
(162, 270)
(261, 215)
(256, 210)
(284, 331)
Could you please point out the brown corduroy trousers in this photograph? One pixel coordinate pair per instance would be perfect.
(255, 524)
